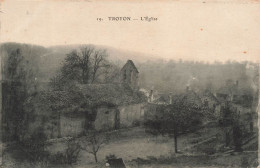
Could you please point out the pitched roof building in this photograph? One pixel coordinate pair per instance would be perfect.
(129, 75)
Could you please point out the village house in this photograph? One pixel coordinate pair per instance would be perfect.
(189, 96)
(241, 101)
(210, 102)
(114, 105)
(105, 106)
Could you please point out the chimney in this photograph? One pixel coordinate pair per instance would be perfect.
(187, 88)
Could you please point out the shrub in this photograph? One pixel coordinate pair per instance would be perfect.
(111, 156)
(136, 123)
(34, 146)
(69, 157)
(72, 152)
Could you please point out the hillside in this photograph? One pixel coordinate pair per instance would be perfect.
(49, 59)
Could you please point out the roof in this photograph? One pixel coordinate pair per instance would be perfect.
(116, 163)
(189, 97)
(164, 98)
(132, 64)
(235, 90)
(114, 94)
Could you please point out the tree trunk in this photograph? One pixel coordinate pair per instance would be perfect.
(93, 77)
(175, 143)
(96, 157)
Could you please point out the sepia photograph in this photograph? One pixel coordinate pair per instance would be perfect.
(129, 84)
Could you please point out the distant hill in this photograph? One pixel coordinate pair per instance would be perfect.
(157, 74)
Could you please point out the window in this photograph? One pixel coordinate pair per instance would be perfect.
(107, 112)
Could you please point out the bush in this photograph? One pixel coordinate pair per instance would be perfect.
(136, 123)
(111, 156)
(34, 146)
(58, 158)
(72, 152)
(69, 157)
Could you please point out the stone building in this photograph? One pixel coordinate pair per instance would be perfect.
(100, 106)
(129, 75)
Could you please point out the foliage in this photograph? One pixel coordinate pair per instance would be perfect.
(175, 119)
(72, 151)
(237, 137)
(71, 154)
(33, 144)
(136, 123)
(232, 126)
(19, 76)
(153, 127)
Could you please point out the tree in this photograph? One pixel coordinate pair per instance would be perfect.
(181, 117)
(99, 61)
(230, 123)
(175, 119)
(72, 152)
(153, 126)
(83, 66)
(94, 141)
(19, 83)
(226, 122)
(237, 137)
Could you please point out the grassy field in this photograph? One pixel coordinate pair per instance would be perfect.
(139, 149)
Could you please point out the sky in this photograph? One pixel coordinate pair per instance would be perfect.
(188, 30)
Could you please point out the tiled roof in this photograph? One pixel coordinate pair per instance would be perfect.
(189, 97)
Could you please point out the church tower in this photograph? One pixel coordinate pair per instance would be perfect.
(129, 75)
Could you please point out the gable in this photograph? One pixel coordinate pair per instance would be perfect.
(130, 65)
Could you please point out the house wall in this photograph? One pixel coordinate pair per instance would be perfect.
(115, 117)
(51, 128)
(72, 126)
(105, 119)
(240, 109)
(131, 113)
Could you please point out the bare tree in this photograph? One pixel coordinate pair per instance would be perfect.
(83, 66)
(99, 61)
(84, 62)
(93, 142)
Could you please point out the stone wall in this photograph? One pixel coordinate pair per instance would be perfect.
(106, 118)
(131, 113)
(72, 126)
